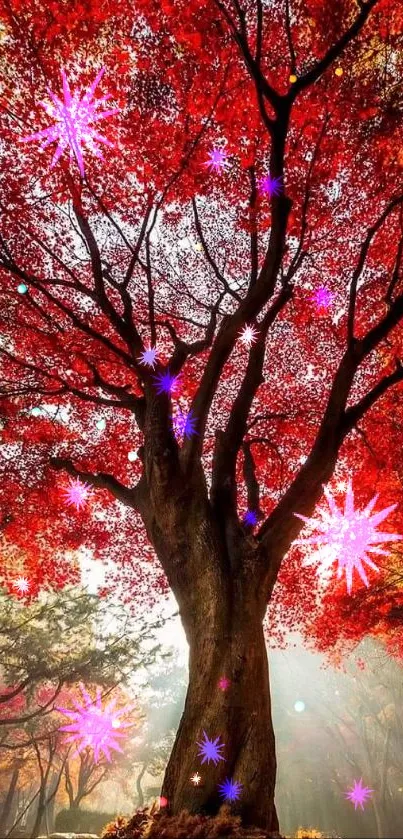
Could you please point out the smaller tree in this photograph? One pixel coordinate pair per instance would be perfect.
(46, 648)
(82, 775)
(60, 640)
(162, 708)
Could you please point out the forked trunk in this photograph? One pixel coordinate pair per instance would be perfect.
(239, 715)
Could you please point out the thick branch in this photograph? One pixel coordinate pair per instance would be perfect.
(231, 325)
(357, 411)
(101, 480)
(334, 52)
(361, 262)
(249, 474)
(223, 490)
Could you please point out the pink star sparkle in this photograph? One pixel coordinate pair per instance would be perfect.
(74, 126)
(359, 794)
(94, 726)
(322, 297)
(77, 493)
(348, 536)
(224, 683)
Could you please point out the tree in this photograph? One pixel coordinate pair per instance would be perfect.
(46, 647)
(162, 711)
(88, 776)
(94, 272)
(59, 641)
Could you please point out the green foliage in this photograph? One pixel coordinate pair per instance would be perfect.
(63, 638)
(81, 821)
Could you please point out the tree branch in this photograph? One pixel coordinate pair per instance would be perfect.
(249, 474)
(38, 712)
(395, 202)
(223, 487)
(357, 411)
(101, 480)
(334, 52)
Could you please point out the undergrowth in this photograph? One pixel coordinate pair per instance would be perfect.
(154, 824)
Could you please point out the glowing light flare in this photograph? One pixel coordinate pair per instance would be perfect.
(250, 518)
(322, 298)
(166, 383)
(74, 126)
(271, 186)
(94, 726)
(195, 779)
(184, 425)
(348, 536)
(22, 585)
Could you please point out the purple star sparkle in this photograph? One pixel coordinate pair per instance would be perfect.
(347, 536)
(359, 794)
(218, 160)
(250, 518)
(230, 790)
(166, 383)
(271, 186)
(184, 424)
(210, 750)
(149, 357)
(74, 127)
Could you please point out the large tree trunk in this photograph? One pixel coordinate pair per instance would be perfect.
(218, 574)
(239, 715)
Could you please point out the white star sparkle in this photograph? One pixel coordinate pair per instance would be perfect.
(249, 336)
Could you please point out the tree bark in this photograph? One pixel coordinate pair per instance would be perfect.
(139, 788)
(5, 812)
(240, 716)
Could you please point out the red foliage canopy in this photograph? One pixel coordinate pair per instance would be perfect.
(153, 239)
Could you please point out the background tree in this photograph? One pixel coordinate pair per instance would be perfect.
(59, 640)
(99, 262)
(47, 646)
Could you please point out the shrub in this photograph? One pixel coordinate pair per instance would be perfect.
(150, 824)
(81, 821)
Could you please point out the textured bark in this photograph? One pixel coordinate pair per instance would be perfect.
(139, 788)
(240, 716)
(5, 812)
